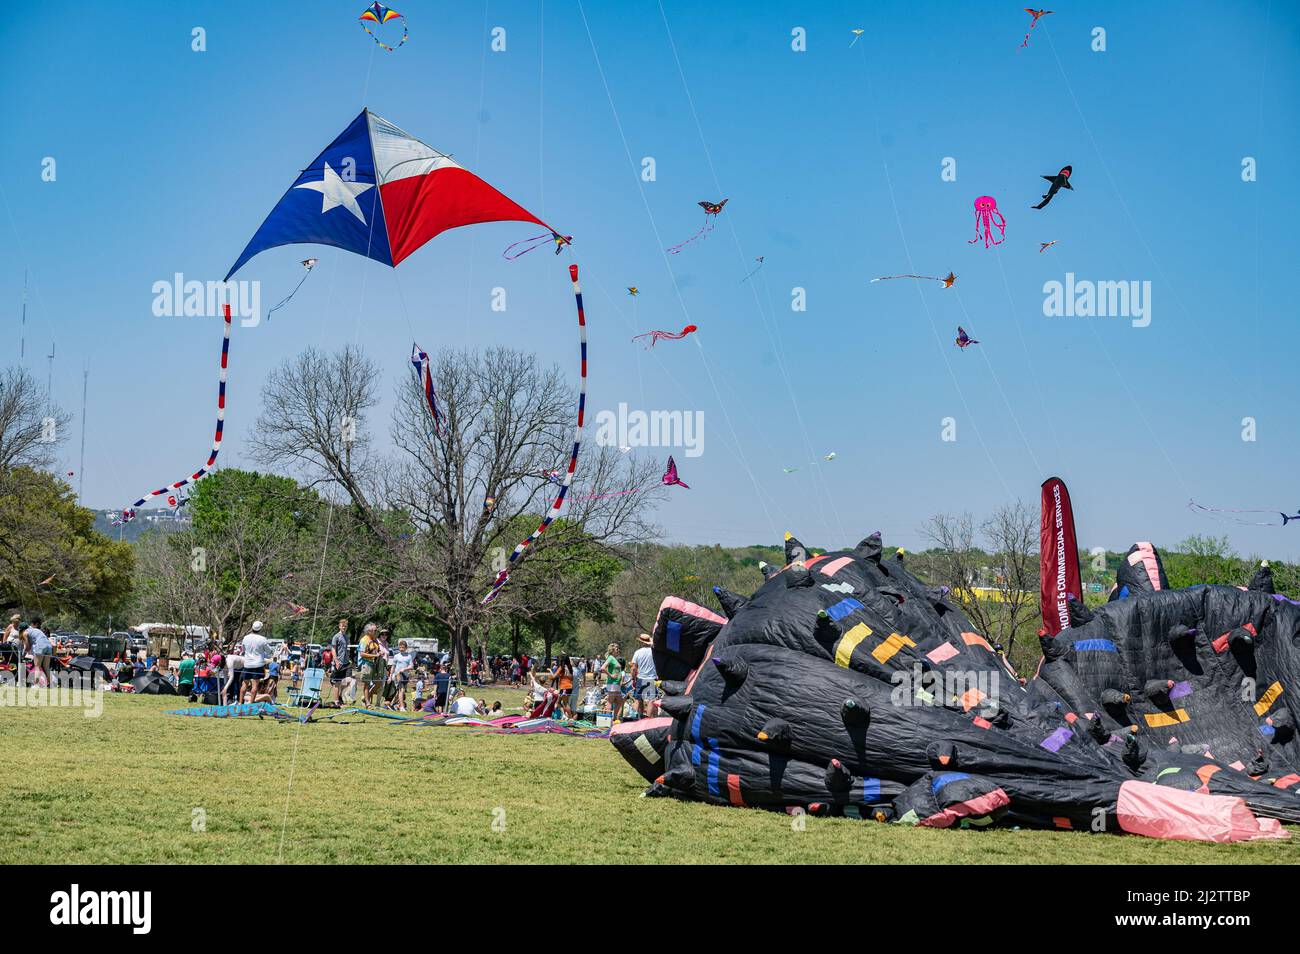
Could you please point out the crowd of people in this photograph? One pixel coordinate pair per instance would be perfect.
(374, 672)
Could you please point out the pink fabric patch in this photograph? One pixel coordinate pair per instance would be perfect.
(942, 653)
(1147, 555)
(974, 808)
(1157, 812)
(830, 569)
(690, 609)
(640, 725)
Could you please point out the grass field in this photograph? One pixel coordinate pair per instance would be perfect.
(131, 786)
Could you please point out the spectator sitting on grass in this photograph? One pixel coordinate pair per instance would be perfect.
(466, 706)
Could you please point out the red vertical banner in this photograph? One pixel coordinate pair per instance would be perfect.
(1058, 557)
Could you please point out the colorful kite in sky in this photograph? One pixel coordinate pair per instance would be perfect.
(1058, 182)
(424, 375)
(964, 340)
(1033, 23)
(987, 218)
(1044, 246)
(656, 336)
(537, 241)
(670, 477)
(947, 281)
(398, 194)
(308, 264)
(379, 14)
(857, 35)
(711, 211)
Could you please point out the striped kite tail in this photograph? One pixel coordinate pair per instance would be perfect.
(128, 513)
(503, 577)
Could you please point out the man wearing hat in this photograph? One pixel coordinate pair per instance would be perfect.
(644, 676)
(257, 650)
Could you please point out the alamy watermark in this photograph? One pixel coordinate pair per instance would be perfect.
(624, 428)
(66, 690)
(179, 298)
(1089, 299)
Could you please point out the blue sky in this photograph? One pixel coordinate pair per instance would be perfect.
(168, 160)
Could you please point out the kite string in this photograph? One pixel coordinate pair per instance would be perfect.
(770, 324)
(938, 340)
(654, 227)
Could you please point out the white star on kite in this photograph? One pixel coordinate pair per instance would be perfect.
(336, 191)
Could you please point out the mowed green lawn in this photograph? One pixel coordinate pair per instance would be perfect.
(133, 785)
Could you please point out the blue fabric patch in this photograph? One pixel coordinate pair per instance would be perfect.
(695, 754)
(695, 722)
(1123, 593)
(1095, 645)
(941, 780)
(713, 772)
(674, 636)
(870, 789)
(1267, 730)
(843, 608)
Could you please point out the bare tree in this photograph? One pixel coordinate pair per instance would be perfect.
(1012, 534)
(450, 503)
(31, 426)
(959, 562)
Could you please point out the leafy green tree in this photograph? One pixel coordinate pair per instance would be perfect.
(51, 557)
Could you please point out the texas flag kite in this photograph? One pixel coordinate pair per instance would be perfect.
(380, 192)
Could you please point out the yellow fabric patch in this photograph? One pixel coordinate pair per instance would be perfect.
(892, 644)
(1268, 698)
(849, 642)
(1162, 720)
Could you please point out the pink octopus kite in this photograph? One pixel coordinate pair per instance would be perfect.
(987, 217)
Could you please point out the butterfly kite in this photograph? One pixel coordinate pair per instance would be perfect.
(377, 13)
(670, 477)
(711, 211)
(1240, 516)
(964, 340)
(424, 376)
(947, 280)
(656, 336)
(1035, 14)
(399, 194)
(308, 264)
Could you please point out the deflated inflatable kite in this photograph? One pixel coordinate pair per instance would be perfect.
(846, 686)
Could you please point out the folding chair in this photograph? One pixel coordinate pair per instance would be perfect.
(310, 691)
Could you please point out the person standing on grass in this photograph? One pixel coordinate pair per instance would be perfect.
(234, 673)
(564, 684)
(339, 667)
(257, 653)
(39, 645)
(643, 678)
(370, 655)
(402, 662)
(441, 684)
(613, 670)
(185, 677)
